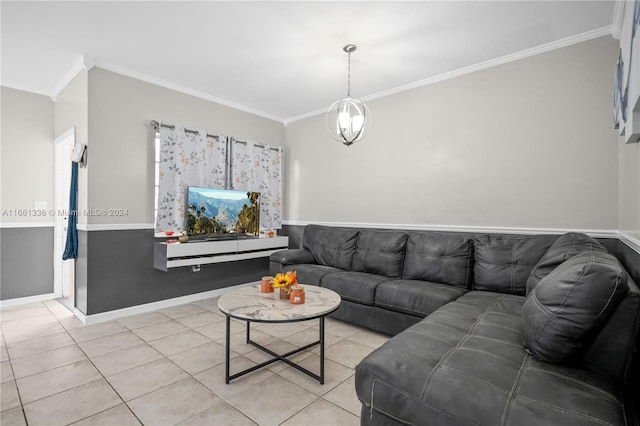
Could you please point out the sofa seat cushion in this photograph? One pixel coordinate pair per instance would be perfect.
(565, 247)
(380, 252)
(311, 273)
(465, 364)
(419, 298)
(331, 246)
(503, 263)
(357, 287)
(566, 309)
(439, 258)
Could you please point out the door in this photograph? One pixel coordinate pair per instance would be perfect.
(63, 269)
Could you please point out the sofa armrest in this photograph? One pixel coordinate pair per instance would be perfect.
(292, 257)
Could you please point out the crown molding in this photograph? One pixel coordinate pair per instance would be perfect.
(544, 48)
(616, 19)
(182, 89)
(82, 64)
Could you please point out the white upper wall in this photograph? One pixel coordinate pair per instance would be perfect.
(26, 161)
(529, 144)
(72, 111)
(120, 161)
(629, 153)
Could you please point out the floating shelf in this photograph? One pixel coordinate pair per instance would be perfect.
(166, 256)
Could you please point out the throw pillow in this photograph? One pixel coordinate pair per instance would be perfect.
(565, 247)
(567, 307)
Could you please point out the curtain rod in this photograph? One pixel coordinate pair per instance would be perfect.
(157, 125)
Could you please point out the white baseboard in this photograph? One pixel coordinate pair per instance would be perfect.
(632, 242)
(29, 299)
(115, 227)
(597, 233)
(149, 307)
(9, 225)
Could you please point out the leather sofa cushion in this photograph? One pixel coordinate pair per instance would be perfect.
(504, 262)
(353, 286)
(380, 252)
(439, 258)
(310, 273)
(292, 257)
(565, 247)
(465, 364)
(564, 311)
(419, 298)
(331, 246)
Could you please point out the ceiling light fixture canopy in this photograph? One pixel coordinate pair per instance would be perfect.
(348, 119)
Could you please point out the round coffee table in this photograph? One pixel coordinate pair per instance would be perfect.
(250, 305)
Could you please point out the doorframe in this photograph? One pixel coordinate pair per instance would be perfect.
(62, 161)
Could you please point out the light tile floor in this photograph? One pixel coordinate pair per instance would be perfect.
(167, 368)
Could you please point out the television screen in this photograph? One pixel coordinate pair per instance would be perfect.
(222, 212)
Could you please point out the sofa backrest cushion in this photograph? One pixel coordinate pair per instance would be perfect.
(439, 258)
(331, 246)
(566, 309)
(503, 262)
(380, 252)
(565, 247)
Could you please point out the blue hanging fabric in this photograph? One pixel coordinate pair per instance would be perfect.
(71, 246)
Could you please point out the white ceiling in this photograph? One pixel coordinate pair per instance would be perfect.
(282, 60)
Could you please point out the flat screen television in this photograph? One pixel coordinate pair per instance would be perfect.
(214, 213)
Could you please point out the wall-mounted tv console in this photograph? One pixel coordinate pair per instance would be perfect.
(166, 256)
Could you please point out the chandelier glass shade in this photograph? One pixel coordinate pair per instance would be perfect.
(348, 119)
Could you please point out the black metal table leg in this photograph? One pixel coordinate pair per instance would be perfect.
(276, 356)
(322, 350)
(226, 354)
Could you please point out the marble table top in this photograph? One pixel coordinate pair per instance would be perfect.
(248, 303)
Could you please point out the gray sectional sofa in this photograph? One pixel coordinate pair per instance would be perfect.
(487, 329)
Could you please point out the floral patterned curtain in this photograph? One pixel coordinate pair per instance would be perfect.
(186, 159)
(257, 167)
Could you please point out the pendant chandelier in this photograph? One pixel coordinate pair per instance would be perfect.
(348, 119)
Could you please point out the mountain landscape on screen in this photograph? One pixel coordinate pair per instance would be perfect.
(216, 211)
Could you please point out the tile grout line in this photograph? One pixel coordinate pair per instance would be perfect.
(168, 359)
(22, 405)
(191, 376)
(101, 375)
(15, 381)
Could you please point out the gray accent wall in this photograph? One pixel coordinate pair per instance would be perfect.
(295, 233)
(26, 262)
(536, 132)
(26, 177)
(120, 273)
